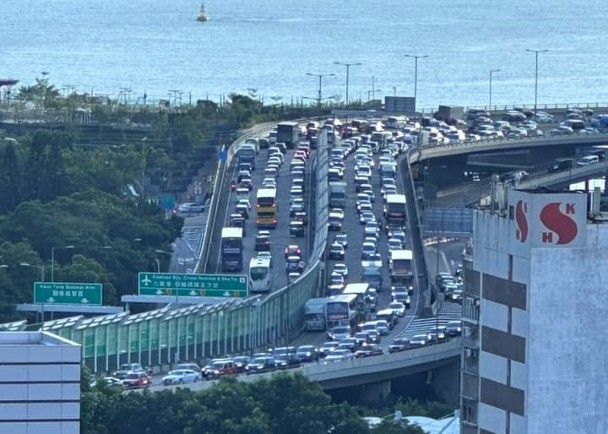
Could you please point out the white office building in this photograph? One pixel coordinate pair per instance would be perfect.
(535, 356)
(39, 384)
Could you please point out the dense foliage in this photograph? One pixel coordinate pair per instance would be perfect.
(283, 404)
(66, 185)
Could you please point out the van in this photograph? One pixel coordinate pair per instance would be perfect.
(560, 164)
(575, 124)
(587, 160)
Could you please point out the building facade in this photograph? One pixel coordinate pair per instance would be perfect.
(39, 384)
(534, 355)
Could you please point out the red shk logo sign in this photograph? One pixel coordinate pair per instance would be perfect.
(558, 219)
(548, 220)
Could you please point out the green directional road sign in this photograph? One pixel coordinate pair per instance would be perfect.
(67, 293)
(194, 285)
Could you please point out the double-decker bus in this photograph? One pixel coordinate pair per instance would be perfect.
(259, 274)
(314, 314)
(363, 293)
(394, 210)
(266, 208)
(232, 249)
(341, 310)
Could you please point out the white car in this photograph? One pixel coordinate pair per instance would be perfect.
(265, 255)
(190, 207)
(341, 269)
(246, 203)
(338, 356)
(587, 160)
(181, 376)
(398, 308)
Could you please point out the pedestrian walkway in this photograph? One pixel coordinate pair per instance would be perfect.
(449, 312)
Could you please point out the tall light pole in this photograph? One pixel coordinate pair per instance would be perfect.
(41, 267)
(411, 56)
(348, 65)
(536, 53)
(492, 71)
(319, 97)
(53, 258)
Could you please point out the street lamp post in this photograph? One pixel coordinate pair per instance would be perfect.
(348, 65)
(492, 71)
(536, 53)
(320, 76)
(411, 56)
(53, 258)
(41, 267)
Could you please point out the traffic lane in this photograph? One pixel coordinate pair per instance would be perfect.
(279, 236)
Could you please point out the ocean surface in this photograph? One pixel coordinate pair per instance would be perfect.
(266, 47)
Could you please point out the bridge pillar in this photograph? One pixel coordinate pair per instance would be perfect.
(376, 393)
(446, 382)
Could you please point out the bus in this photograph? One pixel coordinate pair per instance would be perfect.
(314, 314)
(266, 206)
(259, 275)
(394, 210)
(363, 293)
(341, 310)
(232, 249)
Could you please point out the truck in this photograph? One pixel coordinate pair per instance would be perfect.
(449, 113)
(288, 133)
(314, 314)
(337, 194)
(401, 266)
(372, 274)
(394, 210)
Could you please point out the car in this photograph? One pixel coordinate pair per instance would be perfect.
(453, 328)
(398, 345)
(368, 249)
(402, 297)
(371, 228)
(287, 361)
(588, 160)
(560, 164)
(190, 207)
(301, 216)
(296, 229)
(394, 244)
(293, 250)
(438, 335)
(127, 368)
(398, 308)
(336, 279)
(295, 192)
(419, 340)
(349, 343)
(296, 206)
(365, 207)
(237, 220)
(409, 290)
(262, 241)
(181, 376)
(261, 364)
(383, 327)
(341, 269)
(137, 380)
(219, 367)
(240, 363)
(338, 355)
(265, 255)
(336, 251)
(307, 353)
(242, 209)
(338, 333)
(244, 202)
(327, 347)
(342, 239)
(369, 350)
(294, 264)
(367, 217)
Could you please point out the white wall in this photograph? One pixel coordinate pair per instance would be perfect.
(567, 358)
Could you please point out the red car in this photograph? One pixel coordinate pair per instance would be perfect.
(137, 380)
(293, 250)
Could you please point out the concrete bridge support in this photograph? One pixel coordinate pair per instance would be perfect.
(375, 393)
(446, 382)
